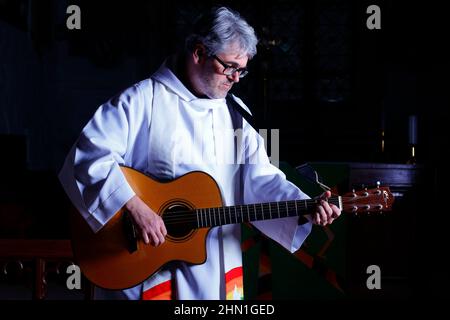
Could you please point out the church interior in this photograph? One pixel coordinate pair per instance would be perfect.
(357, 96)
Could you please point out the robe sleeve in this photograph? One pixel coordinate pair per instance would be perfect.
(263, 182)
(91, 175)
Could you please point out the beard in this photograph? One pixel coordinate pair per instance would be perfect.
(215, 89)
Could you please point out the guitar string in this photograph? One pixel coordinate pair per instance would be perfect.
(265, 208)
(191, 215)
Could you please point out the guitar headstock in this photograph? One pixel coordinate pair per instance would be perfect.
(378, 199)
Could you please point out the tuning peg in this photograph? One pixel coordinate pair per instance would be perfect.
(378, 184)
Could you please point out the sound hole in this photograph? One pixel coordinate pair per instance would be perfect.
(180, 221)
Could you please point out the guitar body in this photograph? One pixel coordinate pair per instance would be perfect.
(106, 260)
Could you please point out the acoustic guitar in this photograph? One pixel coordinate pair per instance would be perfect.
(115, 258)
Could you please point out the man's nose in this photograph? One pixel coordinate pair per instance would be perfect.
(235, 77)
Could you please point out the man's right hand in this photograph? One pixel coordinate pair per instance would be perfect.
(150, 226)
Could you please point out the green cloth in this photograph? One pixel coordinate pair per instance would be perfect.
(291, 278)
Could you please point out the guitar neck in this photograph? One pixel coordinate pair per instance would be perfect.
(212, 217)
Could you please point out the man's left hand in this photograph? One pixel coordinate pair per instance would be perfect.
(325, 213)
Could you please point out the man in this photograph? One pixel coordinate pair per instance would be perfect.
(174, 123)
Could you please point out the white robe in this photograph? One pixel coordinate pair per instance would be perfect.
(160, 128)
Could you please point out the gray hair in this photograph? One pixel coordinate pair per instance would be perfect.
(222, 27)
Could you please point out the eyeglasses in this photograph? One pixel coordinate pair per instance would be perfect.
(229, 70)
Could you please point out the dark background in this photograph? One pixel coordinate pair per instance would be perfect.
(321, 77)
(329, 84)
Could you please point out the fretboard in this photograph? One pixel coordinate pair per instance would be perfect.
(211, 217)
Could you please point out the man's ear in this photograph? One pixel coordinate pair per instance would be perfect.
(199, 53)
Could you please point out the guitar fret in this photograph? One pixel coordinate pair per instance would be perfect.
(242, 215)
(287, 210)
(215, 223)
(337, 201)
(296, 211)
(278, 209)
(235, 214)
(205, 220)
(229, 214)
(248, 213)
(220, 220)
(210, 222)
(201, 219)
(254, 206)
(262, 211)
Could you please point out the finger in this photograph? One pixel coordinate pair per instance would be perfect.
(145, 237)
(160, 237)
(323, 212)
(330, 221)
(326, 194)
(163, 228)
(327, 208)
(317, 218)
(154, 237)
(336, 211)
(323, 216)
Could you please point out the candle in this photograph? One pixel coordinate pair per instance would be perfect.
(413, 129)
